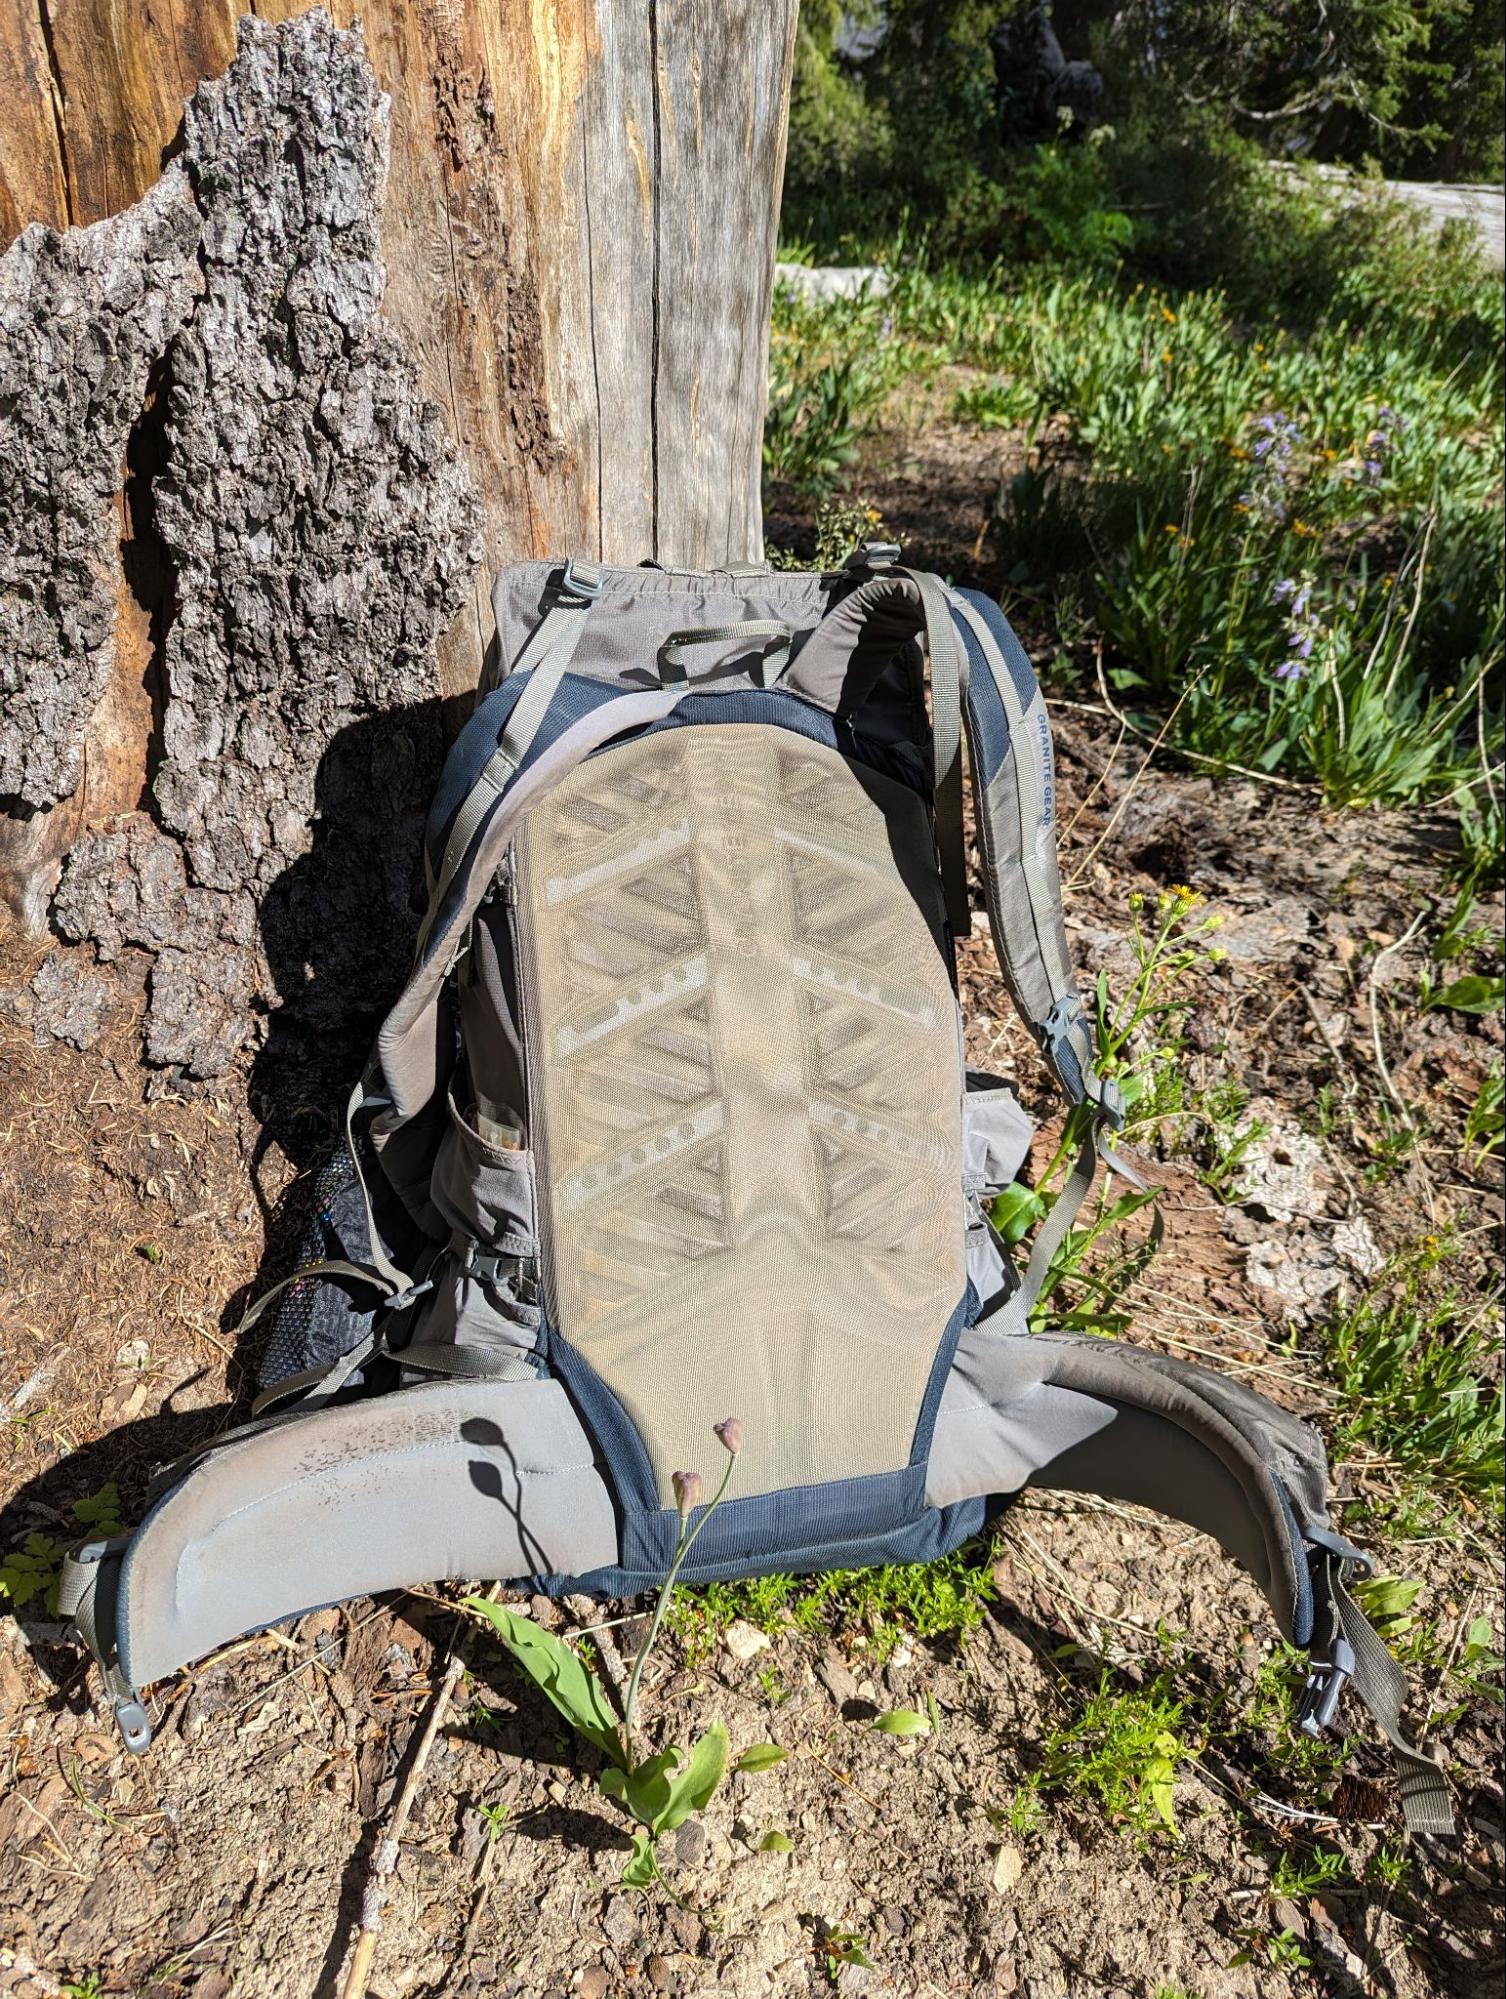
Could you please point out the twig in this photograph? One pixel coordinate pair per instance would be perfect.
(1380, 1054)
(385, 1853)
(583, 1610)
(1196, 756)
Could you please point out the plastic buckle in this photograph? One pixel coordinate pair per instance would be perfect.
(583, 585)
(401, 1300)
(873, 555)
(135, 1728)
(1326, 1680)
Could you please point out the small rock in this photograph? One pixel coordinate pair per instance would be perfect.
(690, 1843)
(744, 1640)
(595, 1982)
(659, 1972)
(1008, 1868)
(838, 1681)
(620, 1922)
(135, 1353)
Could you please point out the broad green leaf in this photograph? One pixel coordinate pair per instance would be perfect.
(641, 1868)
(1387, 1599)
(1015, 1211)
(776, 1842)
(691, 1788)
(644, 1790)
(761, 1756)
(559, 1673)
(102, 1511)
(902, 1721)
(1473, 994)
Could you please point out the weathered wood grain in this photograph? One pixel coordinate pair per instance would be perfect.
(545, 263)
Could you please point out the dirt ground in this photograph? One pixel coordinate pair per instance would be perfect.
(231, 1859)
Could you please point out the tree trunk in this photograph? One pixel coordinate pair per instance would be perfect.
(273, 412)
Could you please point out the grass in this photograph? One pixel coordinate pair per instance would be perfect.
(939, 1601)
(1419, 1395)
(1291, 535)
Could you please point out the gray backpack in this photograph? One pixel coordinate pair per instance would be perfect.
(672, 1123)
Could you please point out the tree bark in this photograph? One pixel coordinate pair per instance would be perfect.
(280, 409)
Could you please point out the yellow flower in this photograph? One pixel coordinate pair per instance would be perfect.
(1301, 527)
(1172, 528)
(1168, 315)
(1166, 356)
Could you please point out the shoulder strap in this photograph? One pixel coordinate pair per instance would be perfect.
(980, 676)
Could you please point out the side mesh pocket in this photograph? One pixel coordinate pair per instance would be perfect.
(319, 1319)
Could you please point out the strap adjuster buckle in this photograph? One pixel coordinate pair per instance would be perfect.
(1326, 1680)
(873, 555)
(579, 583)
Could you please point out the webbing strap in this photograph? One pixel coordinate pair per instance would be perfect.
(948, 680)
(545, 659)
(1357, 1653)
(772, 636)
(1054, 1230)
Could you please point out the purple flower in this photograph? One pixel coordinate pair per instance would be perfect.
(1289, 669)
(687, 1487)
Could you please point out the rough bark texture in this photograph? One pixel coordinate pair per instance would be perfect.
(83, 318)
(573, 265)
(320, 534)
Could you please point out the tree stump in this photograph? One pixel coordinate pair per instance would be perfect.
(408, 299)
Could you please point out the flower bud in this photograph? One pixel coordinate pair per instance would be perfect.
(687, 1485)
(731, 1434)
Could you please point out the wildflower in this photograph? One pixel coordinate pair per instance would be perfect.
(1166, 356)
(1168, 315)
(731, 1434)
(687, 1485)
(1303, 625)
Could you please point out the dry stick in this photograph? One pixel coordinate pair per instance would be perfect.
(1196, 756)
(583, 1610)
(1134, 783)
(385, 1852)
(1380, 1054)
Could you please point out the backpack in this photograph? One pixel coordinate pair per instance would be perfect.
(672, 1123)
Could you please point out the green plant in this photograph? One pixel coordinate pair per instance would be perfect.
(658, 1791)
(1282, 1949)
(1120, 1753)
(31, 1572)
(839, 1948)
(943, 1600)
(1414, 1382)
(1297, 1874)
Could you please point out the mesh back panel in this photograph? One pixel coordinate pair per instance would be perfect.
(746, 1097)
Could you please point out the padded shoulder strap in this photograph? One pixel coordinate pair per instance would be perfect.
(1014, 795)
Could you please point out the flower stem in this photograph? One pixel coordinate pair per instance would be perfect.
(683, 1547)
